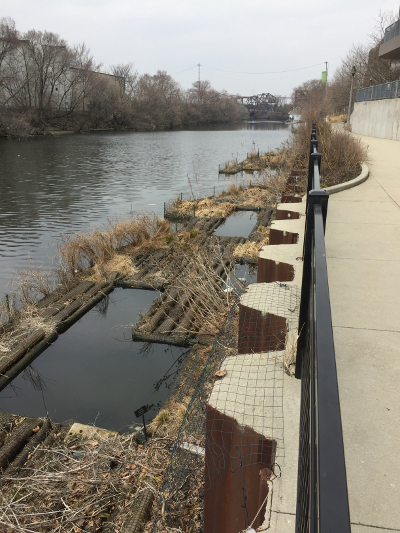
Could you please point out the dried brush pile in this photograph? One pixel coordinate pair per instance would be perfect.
(203, 284)
(82, 486)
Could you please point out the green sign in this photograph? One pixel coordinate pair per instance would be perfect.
(323, 79)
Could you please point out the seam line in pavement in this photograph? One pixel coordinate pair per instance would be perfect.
(368, 329)
(376, 527)
(383, 188)
(354, 224)
(362, 259)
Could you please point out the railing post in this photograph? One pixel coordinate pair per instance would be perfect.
(315, 156)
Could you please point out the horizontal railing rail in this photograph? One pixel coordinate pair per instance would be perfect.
(379, 92)
(322, 497)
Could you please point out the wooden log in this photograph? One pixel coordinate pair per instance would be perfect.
(67, 322)
(38, 437)
(139, 512)
(17, 440)
(17, 367)
(56, 295)
(74, 306)
(175, 340)
(163, 311)
(184, 325)
(60, 304)
(16, 353)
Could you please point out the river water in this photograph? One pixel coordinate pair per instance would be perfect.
(94, 373)
(53, 185)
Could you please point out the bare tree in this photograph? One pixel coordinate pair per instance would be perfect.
(370, 68)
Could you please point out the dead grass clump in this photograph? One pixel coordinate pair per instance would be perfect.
(169, 420)
(290, 353)
(117, 263)
(336, 118)
(25, 323)
(247, 249)
(82, 485)
(202, 208)
(79, 251)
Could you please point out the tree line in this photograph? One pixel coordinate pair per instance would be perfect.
(47, 84)
(370, 70)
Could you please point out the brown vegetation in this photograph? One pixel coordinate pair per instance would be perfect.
(98, 249)
(251, 248)
(342, 153)
(202, 208)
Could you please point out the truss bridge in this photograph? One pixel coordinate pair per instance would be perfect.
(265, 105)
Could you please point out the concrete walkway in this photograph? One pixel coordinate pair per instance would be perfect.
(363, 254)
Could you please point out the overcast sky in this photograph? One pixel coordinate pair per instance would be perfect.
(229, 38)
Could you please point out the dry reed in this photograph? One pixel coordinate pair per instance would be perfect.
(79, 251)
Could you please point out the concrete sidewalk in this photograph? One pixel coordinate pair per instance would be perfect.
(363, 255)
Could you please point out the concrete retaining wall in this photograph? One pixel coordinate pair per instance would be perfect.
(379, 118)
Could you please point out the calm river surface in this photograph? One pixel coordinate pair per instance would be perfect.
(53, 185)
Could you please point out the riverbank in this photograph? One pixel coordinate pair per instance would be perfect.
(128, 489)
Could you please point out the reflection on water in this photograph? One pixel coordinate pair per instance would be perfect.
(94, 373)
(238, 224)
(52, 185)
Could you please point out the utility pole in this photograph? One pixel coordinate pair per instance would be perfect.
(353, 71)
(199, 72)
(326, 83)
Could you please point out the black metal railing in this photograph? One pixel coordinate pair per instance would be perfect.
(392, 31)
(322, 498)
(379, 92)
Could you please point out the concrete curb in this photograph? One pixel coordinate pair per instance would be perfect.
(352, 183)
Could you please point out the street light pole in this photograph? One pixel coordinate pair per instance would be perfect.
(353, 71)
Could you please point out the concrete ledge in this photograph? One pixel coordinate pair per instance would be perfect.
(350, 184)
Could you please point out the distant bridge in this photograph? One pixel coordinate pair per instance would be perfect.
(264, 99)
(260, 104)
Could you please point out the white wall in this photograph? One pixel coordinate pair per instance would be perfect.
(379, 118)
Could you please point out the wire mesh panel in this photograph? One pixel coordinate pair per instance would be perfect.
(232, 435)
(379, 92)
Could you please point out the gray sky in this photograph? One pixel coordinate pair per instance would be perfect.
(247, 36)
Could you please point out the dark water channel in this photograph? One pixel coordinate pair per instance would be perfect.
(94, 373)
(53, 185)
(238, 224)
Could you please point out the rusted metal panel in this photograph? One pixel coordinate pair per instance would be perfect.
(238, 466)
